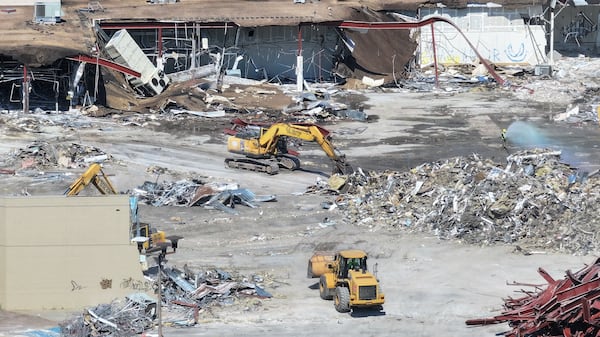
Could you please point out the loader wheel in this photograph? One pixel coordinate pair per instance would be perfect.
(342, 299)
(323, 290)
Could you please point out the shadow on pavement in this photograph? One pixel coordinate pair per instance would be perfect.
(321, 173)
(367, 312)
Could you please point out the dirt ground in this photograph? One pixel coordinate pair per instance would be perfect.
(431, 286)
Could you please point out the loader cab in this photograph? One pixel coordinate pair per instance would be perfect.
(349, 260)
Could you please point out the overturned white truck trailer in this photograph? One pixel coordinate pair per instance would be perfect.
(123, 50)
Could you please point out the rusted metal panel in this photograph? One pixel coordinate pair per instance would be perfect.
(568, 307)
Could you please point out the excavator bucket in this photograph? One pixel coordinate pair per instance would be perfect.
(342, 168)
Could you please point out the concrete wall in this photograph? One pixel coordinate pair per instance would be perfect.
(66, 252)
(500, 35)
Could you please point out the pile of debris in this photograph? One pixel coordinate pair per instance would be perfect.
(533, 200)
(184, 295)
(41, 155)
(119, 318)
(568, 307)
(187, 292)
(580, 115)
(194, 192)
(38, 120)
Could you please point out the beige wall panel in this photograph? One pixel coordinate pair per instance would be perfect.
(62, 220)
(2, 274)
(66, 253)
(2, 227)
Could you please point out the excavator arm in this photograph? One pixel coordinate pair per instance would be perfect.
(96, 177)
(308, 132)
(311, 133)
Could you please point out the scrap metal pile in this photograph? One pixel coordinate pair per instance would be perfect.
(534, 200)
(187, 292)
(568, 307)
(196, 193)
(184, 296)
(117, 319)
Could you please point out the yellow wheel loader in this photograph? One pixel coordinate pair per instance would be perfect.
(343, 277)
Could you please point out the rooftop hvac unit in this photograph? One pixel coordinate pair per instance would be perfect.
(123, 50)
(47, 12)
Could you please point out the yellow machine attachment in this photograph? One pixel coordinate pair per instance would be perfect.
(267, 149)
(155, 237)
(343, 277)
(94, 175)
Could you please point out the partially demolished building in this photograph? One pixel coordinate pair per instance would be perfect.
(183, 41)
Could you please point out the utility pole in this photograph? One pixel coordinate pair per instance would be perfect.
(161, 257)
(25, 90)
(299, 63)
(161, 249)
(552, 6)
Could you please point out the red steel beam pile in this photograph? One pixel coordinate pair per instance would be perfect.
(568, 307)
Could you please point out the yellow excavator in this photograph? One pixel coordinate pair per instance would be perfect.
(265, 149)
(343, 277)
(95, 176)
(146, 236)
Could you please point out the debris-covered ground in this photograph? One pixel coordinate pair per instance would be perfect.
(430, 165)
(187, 295)
(533, 200)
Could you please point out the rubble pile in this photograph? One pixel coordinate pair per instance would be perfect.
(118, 319)
(586, 114)
(567, 307)
(534, 200)
(187, 292)
(42, 155)
(39, 119)
(184, 296)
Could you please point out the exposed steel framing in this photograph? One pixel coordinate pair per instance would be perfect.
(106, 63)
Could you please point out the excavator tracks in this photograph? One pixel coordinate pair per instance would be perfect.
(267, 166)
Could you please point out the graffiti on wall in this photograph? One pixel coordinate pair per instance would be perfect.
(130, 283)
(578, 28)
(516, 54)
(510, 52)
(76, 286)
